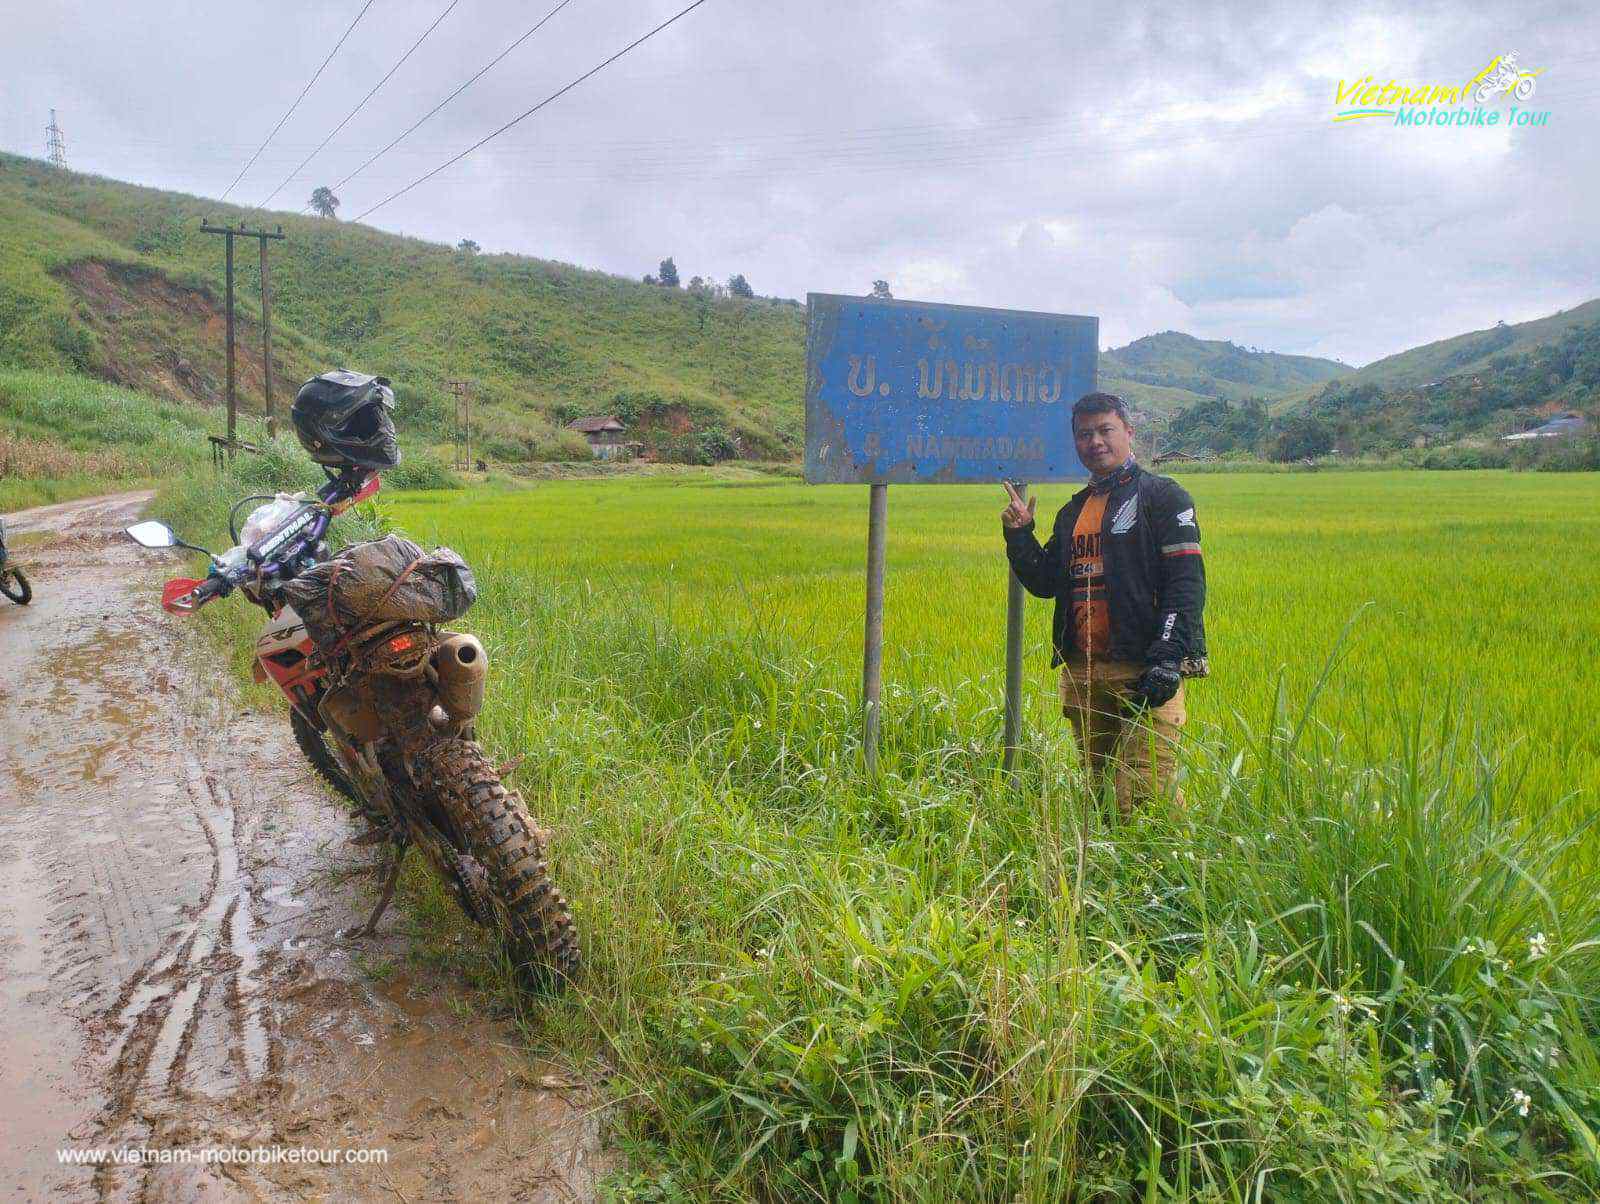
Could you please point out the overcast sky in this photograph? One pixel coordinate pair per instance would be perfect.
(1160, 166)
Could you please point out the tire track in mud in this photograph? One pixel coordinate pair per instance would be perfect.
(172, 970)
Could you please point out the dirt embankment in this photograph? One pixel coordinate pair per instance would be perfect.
(168, 339)
(174, 974)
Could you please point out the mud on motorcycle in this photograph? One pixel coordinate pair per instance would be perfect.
(386, 718)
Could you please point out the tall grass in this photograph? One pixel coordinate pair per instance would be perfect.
(66, 435)
(1329, 977)
(1362, 963)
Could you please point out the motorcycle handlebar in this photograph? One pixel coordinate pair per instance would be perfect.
(184, 596)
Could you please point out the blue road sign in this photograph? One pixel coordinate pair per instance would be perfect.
(907, 391)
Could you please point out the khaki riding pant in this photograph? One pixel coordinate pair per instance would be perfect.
(1138, 751)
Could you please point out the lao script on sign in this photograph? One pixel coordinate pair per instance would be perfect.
(905, 391)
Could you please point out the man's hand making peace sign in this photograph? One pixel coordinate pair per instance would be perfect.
(1019, 513)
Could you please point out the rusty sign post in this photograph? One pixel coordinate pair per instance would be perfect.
(940, 394)
(232, 232)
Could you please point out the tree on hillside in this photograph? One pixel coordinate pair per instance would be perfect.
(468, 246)
(740, 287)
(1303, 435)
(324, 202)
(668, 273)
(880, 291)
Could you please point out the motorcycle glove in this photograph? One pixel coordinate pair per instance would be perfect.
(1156, 686)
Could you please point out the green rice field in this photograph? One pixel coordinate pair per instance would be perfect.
(1362, 962)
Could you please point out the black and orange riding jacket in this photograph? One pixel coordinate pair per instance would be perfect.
(1155, 578)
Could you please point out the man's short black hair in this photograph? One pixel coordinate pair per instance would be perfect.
(1100, 403)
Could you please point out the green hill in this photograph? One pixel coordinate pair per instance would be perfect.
(1471, 352)
(1513, 379)
(1507, 379)
(117, 281)
(1168, 371)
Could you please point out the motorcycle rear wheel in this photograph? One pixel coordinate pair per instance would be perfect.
(14, 585)
(530, 913)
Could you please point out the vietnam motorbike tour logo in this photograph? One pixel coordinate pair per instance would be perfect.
(1420, 102)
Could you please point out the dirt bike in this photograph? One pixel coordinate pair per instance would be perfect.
(1502, 75)
(386, 719)
(13, 582)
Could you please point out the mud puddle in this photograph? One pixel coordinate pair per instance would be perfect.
(172, 976)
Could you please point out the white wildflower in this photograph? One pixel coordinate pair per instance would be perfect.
(1537, 946)
(1343, 1003)
(1522, 1100)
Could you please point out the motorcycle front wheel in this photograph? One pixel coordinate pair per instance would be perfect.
(498, 834)
(315, 747)
(14, 585)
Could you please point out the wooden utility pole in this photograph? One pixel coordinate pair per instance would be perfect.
(232, 232)
(462, 389)
(266, 341)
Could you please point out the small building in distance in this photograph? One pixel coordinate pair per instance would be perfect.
(1565, 425)
(604, 433)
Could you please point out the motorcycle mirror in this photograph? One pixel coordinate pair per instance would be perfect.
(153, 535)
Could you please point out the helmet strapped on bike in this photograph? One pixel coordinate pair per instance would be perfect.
(342, 419)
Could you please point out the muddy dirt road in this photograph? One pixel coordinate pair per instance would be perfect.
(173, 975)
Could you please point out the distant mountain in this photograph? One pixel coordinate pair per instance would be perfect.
(1471, 352)
(1484, 384)
(1165, 372)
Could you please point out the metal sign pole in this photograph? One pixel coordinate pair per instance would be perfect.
(1014, 616)
(940, 394)
(872, 661)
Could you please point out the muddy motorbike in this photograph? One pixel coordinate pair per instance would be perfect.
(13, 582)
(386, 719)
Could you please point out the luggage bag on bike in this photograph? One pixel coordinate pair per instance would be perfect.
(388, 580)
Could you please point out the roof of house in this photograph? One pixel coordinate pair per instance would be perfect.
(602, 422)
(1556, 426)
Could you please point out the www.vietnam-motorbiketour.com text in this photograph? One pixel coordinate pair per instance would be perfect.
(223, 1156)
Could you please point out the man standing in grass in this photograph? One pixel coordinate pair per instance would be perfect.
(1123, 564)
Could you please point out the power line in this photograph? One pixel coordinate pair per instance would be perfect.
(297, 101)
(745, 159)
(683, 12)
(453, 95)
(448, 9)
(637, 170)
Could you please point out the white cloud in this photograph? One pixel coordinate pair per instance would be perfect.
(1166, 165)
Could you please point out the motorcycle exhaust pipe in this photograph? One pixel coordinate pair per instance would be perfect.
(463, 669)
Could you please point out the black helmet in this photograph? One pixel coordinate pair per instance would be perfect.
(342, 418)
